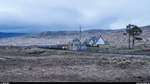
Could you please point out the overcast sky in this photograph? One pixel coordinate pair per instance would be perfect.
(50, 15)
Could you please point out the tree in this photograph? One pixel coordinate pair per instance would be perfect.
(136, 31)
(129, 32)
(133, 31)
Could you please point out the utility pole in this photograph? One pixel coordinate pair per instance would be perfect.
(80, 36)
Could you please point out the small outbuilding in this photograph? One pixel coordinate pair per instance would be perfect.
(74, 45)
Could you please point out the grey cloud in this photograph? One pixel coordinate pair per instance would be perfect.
(110, 14)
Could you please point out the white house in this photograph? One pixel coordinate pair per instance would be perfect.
(100, 41)
(95, 41)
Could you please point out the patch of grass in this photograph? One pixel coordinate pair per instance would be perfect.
(74, 53)
(97, 48)
(51, 52)
(143, 50)
(106, 48)
(66, 52)
(134, 57)
(108, 55)
(109, 48)
(142, 58)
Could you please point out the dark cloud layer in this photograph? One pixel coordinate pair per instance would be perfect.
(45, 15)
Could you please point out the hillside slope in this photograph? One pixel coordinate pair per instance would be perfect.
(114, 37)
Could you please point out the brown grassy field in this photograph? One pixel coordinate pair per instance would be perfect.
(23, 64)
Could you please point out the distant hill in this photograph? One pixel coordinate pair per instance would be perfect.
(7, 35)
(114, 37)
